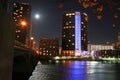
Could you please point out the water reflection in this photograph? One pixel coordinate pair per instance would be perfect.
(76, 70)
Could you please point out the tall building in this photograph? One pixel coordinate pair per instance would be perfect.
(49, 47)
(21, 14)
(74, 33)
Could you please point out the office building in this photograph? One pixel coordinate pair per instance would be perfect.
(21, 15)
(98, 47)
(74, 33)
(49, 47)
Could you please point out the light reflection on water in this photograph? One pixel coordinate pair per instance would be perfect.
(76, 70)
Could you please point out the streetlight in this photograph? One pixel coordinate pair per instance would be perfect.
(23, 23)
(36, 16)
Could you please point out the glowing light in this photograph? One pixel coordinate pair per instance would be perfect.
(57, 57)
(77, 34)
(31, 38)
(37, 16)
(23, 23)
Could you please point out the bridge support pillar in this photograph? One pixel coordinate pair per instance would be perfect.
(6, 42)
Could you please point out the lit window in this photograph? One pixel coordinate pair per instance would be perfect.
(67, 14)
(84, 34)
(69, 26)
(73, 14)
(66, 45)
(21, 8)
(69, 21)
(70, 14)
(16, 10)
(19, 31)
(14, 13)
(20, 15)
(69, 40)
(73, 35)
(84, 39)
(66, 26)
(18, 36)
(21, 12)
(64, 35)
(14, 4)
(82, 22)
(73, 26)
(73, 44)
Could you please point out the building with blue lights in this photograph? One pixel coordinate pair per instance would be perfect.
(74, 33)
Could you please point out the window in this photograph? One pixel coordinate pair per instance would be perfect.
(21, 8)
(69, 40)
(82, 22)
(73, 44)
(73, 35)
(67, 23)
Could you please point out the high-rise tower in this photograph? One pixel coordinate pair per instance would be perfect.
(21, 14)
(74, 33)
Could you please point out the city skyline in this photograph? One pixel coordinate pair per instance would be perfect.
(101, 26)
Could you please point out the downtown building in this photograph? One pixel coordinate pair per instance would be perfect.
(74, 33)
(49, 47)
(21, 14)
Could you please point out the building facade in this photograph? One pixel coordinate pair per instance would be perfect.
(118, 43)
(98, 47)
(74, 33)
(49, 47)
(21, 14)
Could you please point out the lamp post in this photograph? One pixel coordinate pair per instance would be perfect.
(36, 16)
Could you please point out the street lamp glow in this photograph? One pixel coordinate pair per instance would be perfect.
(23, 23)
(37, 16)
(31, 38)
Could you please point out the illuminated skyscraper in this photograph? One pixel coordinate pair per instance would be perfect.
(21, 14)
(74, 33)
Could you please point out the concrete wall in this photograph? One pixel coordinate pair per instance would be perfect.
(6, 42)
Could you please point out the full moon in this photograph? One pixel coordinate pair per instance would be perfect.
(37, 16)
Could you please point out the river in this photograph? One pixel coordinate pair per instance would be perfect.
(76, 70)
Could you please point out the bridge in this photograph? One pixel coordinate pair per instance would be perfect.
(25, 60)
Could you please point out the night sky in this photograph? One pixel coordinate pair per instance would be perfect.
(103, 24)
